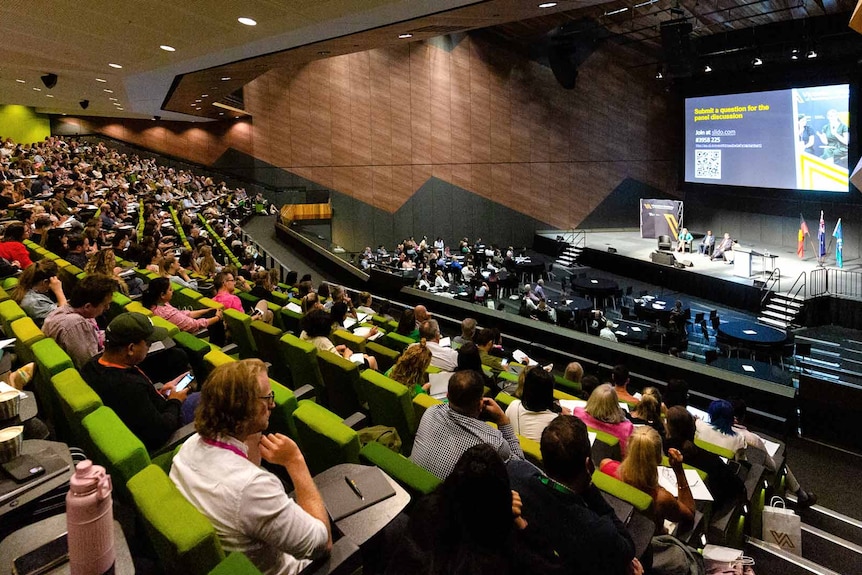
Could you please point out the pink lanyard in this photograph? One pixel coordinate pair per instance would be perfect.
(223, 445)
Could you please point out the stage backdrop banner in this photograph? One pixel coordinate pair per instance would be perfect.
(660, 218)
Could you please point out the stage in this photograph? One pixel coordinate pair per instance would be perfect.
(629, 256)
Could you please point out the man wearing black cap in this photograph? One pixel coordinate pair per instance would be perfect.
(150, 414)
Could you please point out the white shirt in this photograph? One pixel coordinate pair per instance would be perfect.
(247, 506)
(530, 424)
(445, 358)
(709, 434)
(608, 333)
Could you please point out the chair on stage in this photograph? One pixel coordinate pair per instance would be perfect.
(664, 243)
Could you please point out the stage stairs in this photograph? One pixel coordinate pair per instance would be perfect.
(781, 310)
(569, 257)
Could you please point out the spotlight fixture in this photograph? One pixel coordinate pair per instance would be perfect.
(247, 21)
(405, 36)
(117, 66)
(547, 4)
(658, 74)
(167, 48)
(811, 54)
(84, 104)
(757, 62)
(707, 69)
(50, 80)
(101, 80)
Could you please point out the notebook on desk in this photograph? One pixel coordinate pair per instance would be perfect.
(355, 491)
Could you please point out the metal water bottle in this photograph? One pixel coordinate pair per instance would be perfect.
(90, 520)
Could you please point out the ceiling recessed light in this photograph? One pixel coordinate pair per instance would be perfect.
(198, 108)
(167, 48)
(247, 21)
(811, 54)
(618, 11)
(323, 53)
(120, 109)
(112, 99)
(21, 81)
(221, 113)
(49, 95)
(100, 80)
(225, 78)
(757, 62)
(198, 101)
(707, 68)
(115, 65)
(205, 95)
(405, 36)
(547, 4)
(108, 90)
(38, 89)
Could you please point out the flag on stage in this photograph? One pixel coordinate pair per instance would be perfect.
(803, 231)
(838, 234)
(821, 237)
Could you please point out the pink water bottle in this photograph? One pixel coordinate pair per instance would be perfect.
(90, 520)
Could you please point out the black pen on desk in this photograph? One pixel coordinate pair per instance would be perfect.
(354, 487)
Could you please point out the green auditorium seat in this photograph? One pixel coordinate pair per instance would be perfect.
(114, 446)
(396, 341)
(290, 320)
(412, 477)
(640, 500)
(325, 440)
(239, 325)
(354, 342)
(266, 339)
(281, 419)
(341, 377)
(50, 360)
(389, 404)
(185, 298)
(235, 564)
(26, 333)
(9, 312)
(77, 400)
(301, 357)
(184, 539)
(386, 358)
(196, 349)
(119, 301)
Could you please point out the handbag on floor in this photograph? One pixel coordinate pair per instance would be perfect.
(782, 527)
(718, 560)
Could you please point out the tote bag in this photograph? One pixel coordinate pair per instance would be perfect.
(782, 527)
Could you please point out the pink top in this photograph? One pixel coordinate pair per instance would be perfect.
(180, 318)
(621, 430)
(228, 300)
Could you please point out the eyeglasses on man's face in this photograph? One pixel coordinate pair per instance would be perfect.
(269, 398)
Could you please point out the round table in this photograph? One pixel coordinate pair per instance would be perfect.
(652, 309)
(756, 369)
(595, 287)
(571, 309)
(752, 333)
(628, 332)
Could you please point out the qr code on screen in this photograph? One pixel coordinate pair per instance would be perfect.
(707, 164)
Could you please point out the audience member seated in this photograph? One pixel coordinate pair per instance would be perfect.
(719, 431)
(446, 431)
(224, 283)
(470, 524)
(648, 411)
(218, 471)
(410, 368)
(468, 330)
(170, 268)
(33, 288)
(407, 325)
(365, 303)
(724, 485)
(620, 379)
(12, 247)
(73, 326)
(105, 262)
(445, 358)
(566, 512)
(675, 394)
(484, 340)
(440, 281)
(157, 299)
(754, 441)
(603, 413)
(537, 407)
(150, 414)
(639, 468)
(77, 247)
(316, 328)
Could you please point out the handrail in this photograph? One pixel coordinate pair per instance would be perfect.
(772, 279)
(794, 289)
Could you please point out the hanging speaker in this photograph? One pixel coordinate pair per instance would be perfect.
(676, 43)
(84, 104)
(50, 80)
(563, 66)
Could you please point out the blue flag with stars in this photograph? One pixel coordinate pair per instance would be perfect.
(838, 234)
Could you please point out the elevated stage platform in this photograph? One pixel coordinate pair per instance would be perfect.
(627, 254)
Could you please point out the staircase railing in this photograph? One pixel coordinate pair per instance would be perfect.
(576, 238)
(772, 283)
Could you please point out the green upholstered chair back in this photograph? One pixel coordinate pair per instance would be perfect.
(119, 302)
(341, 381)
(570, 387)
(396, 341)
(354, 342)
(386, 358)
(266, 339)
(248, 300)
(183, 538)
(389, 404)
(532, 451)
(111, 444)
(640, 500)
(301, 357)
(414, 478)
(185, 298)
(281, 419)
(216, 357)
(77, 400)
(235, 564)
(162, 322)
(138, 307)
(68, 275)
(290, 320)
(421, 402)
(279, 298)
(9, 283)
(4, 295)
(716, 449)
(26, 333)
(196, 348)
(504, 400)
(9, 312)
(239, 325)
(323, 437)
(50, 360)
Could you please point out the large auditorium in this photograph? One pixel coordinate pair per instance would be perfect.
(327, 288)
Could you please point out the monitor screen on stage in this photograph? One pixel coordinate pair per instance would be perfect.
(795, 139)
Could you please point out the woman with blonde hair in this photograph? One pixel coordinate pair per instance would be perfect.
(640, 469)
(648, 411)
(207, 265)
(104, 262)
(410, 368)
(170, 268)
(603, 413)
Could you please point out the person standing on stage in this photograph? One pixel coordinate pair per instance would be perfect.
(707, 244)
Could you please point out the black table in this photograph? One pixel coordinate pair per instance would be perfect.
(631, 332)
(756, 369)
(752, 333)
(652, 309)
(595, 287)
(56, 459)
(365, 524)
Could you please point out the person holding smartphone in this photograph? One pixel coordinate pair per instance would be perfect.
(151, 414)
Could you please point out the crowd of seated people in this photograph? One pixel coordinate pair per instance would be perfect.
(495, 511)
